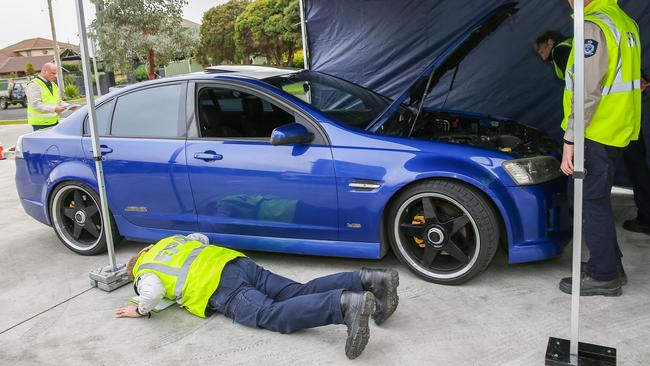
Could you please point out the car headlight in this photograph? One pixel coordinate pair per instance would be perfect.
(534, 170)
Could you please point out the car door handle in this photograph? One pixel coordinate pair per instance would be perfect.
(103, 149)
(208, 156)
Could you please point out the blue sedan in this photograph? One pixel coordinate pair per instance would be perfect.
(298, 161)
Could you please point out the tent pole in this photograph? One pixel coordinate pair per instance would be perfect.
(112, 276)
(578, 164)
(303, 31)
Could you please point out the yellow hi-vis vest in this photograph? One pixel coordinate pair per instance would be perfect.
(568, 43)
(189, 270)
(617, 119)
(35, 117)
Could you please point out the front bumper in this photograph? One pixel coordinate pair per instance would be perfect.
(540, 220)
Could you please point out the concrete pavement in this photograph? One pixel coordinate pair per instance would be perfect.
(503, 317)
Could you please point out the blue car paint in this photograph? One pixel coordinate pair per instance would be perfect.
(261, 189)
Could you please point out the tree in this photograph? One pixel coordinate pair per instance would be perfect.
(218, 34)
(131, 31)
(269, 28)
(29, 69)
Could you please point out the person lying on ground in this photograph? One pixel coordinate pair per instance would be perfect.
(205, 279)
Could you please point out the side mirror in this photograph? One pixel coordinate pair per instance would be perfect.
(292, 133)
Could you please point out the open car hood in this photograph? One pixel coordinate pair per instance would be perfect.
(449, 59)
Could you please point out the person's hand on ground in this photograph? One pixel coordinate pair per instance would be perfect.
(58, 109)
(567, 159)
(129, 311)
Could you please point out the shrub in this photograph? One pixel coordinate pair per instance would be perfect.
(71, 67)
(298, 60)
(69, 79)
(70, 91)
(142, 73)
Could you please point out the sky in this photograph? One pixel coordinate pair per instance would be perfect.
(23, 19)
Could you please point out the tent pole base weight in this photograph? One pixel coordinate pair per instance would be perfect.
(108, 279)
(557, 354)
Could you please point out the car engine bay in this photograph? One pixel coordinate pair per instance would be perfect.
(480, 131)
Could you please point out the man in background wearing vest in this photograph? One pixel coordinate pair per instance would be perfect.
(612, 119)
(555, 47)
(44, 102)
(206, 278)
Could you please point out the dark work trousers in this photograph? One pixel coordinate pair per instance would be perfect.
(634, 156)
(255, 297)
(598, 227)
(40, 127)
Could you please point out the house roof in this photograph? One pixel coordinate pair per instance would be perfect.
(17, 64)
(34, 44)
(185, 23)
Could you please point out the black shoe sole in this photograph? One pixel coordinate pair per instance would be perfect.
(356, 343)
(617, 291)
(392, 299)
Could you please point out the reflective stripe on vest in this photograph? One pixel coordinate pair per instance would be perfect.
(179, 273)
(617, 118)
(35, 117)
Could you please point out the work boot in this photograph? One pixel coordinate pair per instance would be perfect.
(356, 308)
(383, 284)
(590, 287)
(637, 226)
(622, 276)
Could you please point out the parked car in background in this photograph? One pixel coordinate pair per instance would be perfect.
(15, 94)
(298, 161)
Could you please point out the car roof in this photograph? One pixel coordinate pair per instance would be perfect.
(210, 73)
(249, 71)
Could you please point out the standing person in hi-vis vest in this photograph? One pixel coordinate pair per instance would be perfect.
(44, 102)
(205, 278)
(555, 47)
(612, 52)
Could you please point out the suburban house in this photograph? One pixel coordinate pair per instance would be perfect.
(37, 51)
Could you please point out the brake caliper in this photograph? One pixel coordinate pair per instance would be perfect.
(419, 220)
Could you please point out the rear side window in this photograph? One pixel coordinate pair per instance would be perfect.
(152, 112)
(103, 114)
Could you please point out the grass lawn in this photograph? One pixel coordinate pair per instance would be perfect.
(14, 122)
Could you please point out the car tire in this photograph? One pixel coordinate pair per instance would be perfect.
(3, 104)
(446, 232)
(79, 227)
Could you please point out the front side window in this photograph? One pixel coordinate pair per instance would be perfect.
(152, 112)
(228, 113)
(344, 102)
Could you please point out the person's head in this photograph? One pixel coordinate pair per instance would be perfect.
(132, 261)
(586, 3)
(545, 43)
(49, 71)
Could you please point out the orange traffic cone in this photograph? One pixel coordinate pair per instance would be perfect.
(2, 157)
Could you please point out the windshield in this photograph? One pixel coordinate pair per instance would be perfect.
(343, 101)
